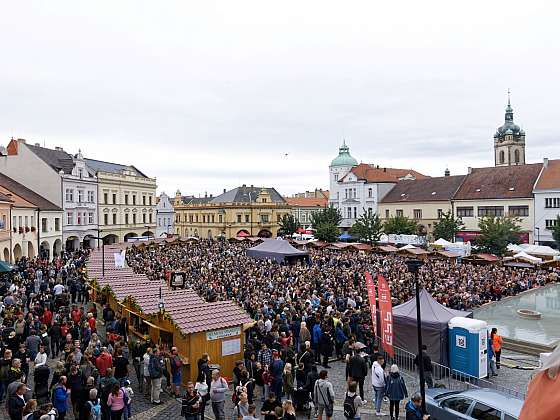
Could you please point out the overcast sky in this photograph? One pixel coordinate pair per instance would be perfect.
(210, 95)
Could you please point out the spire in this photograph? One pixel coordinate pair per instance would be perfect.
(509, 109)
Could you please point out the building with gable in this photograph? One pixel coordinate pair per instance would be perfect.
(242, 211)
(355, 188)
(547, 202)
(165, 216)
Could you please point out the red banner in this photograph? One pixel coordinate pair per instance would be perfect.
(386, 315)
(372, 304)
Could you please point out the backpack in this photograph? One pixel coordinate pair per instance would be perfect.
(95, 410)
(349, 408)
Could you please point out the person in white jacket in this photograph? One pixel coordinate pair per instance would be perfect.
(378, 383)
(41, 357)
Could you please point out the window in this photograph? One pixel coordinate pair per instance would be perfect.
(32, 220)
(465, 211)
(346, 193)
(80, 173)
(80, 196)
(20, 221)
(355, 212)
(497, 211)
(239, 218)
(399, 213)
(247, 217)
(126, 199)
(150, 217)
(143, 200)
(550, 223)
(518, 211)
(134, 199)
(159, 222)
(69, 195)
(502, 157)
(143, 217)
(90, 197)
(220, 218)
(126, 218)
(14, 221)
(417, 213)
(190, 218)
(106, 198)
(203, 218)
(133, 218)
(387, 213)
(278, 218)
(460, 405)
(516, 156)
(150, 201)
(264, 200)
(106, 219)
(115, 199)
(336, 177)
(212, 218)
(485, 412)
(370, 192)
(439, 213)
(69, 218)
(44, 224)
(57, 224)
(349, 212)
(114, 218)
(26, 221)
(79, 220)
(550, 203)
(264, 218)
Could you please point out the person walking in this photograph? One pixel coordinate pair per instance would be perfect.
(414, 408)
(324, 396)
(395, 390)
(116, 402)
(190, 403)
(218, 388)
(356, 370)
(276, 371)
(288, 381)
(147, 386)
(60, 397)
(352, 402)
(201, 387)
(496, 345)
(176, 372)
(155, 370)
(16, 403)
(491, 362)
(427, 363)
(378, 383)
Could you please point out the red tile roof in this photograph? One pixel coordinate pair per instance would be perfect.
(428, 189)
(550, 177)
(307, 201)
(371, 173)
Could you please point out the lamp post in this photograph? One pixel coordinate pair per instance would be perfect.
(102, 253)
(161, 304)
(538, 229)
(413, 266)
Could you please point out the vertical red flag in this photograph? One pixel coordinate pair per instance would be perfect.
(372, 304)
(386, 315)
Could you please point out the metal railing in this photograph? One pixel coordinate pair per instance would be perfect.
(446, 377)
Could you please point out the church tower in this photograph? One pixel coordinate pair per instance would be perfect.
(509, 142)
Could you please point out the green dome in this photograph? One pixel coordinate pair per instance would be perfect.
(344, 158)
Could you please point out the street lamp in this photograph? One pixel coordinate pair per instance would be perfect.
(161, 304)
(538, 229)
(413, 266)
(102, 253)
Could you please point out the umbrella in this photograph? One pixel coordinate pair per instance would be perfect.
(5, 267)
(242, 234)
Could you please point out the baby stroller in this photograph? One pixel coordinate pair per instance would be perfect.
(302, 396)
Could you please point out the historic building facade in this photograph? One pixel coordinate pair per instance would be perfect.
(355, 188)
(5, 227)
(242, 211)
(304, 207)
(126, 201)
(547, 202)
(165, 216)
(509, 141)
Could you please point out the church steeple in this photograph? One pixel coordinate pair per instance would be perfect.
(509, 141)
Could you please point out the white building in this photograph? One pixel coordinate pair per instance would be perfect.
(547, 202)
(355, 188)
(165, 216)
(62, 179)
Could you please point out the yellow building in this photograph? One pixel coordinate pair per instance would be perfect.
(242, 211)
(423, 200)
(126, 201)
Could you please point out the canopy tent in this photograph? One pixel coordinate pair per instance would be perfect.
(524, 257)
(409, 246)
(540, 250)
(5, 267)
(435, 317)
(514, 248)
(278, 250)
(442, 242)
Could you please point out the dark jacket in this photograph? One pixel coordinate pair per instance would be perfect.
(15, 407)
(412, 412)
(426, 361)
(357, 367)
(395, 387)
(155, 367)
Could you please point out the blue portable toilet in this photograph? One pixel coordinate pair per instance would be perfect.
(467, 346)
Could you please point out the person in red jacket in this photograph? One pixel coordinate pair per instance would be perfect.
(104, 362)
(76, 315)
(47, 317)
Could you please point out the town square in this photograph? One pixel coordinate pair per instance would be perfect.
(279, 211)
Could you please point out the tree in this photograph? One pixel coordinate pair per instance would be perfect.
(447, 227)
(368, 228)
(327, 232)
(289, 224)
(328, 215)
(556, 231)
(400, 225)
(496, 233)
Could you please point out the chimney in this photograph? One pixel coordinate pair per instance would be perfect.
(38, 144)
(384, 169)
(22, 140)
(210, 195)
(244, 185)
(377, 166)
(205, 194)
(447, 173)
(252, 186)
(60, 149)
(545, 163)
(469, 170)
(224, 190)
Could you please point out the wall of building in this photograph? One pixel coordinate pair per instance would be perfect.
(165, 215)
(24, 241)
(430, 211)
(50, 232)
(5, 231)
(542, 214)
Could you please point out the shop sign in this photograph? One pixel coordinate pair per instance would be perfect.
(226, 332)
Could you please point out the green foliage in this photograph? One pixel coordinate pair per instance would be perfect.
(327, 232)
(447, 227)
(556, 231)
(328, 215)
(368, 228)
(289, 224)
(401, 225)
(496, 233)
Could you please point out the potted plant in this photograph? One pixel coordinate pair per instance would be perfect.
(26, 229)
(32, 228)
(21, 229)
(15, 229)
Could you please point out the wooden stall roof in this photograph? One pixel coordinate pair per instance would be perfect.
(318, 244)
(551, 264)
(361, 247)
(445, 254)
(413, 251)
(386, 248)
(489, 258)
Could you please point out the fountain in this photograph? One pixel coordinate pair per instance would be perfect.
(529, 314)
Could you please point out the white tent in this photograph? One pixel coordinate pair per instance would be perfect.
(539, 250)
(442, 242)
(514, 248)
(525, 257)
(407, 247)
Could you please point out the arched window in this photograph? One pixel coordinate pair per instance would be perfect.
(516, 156)
(502, 156)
